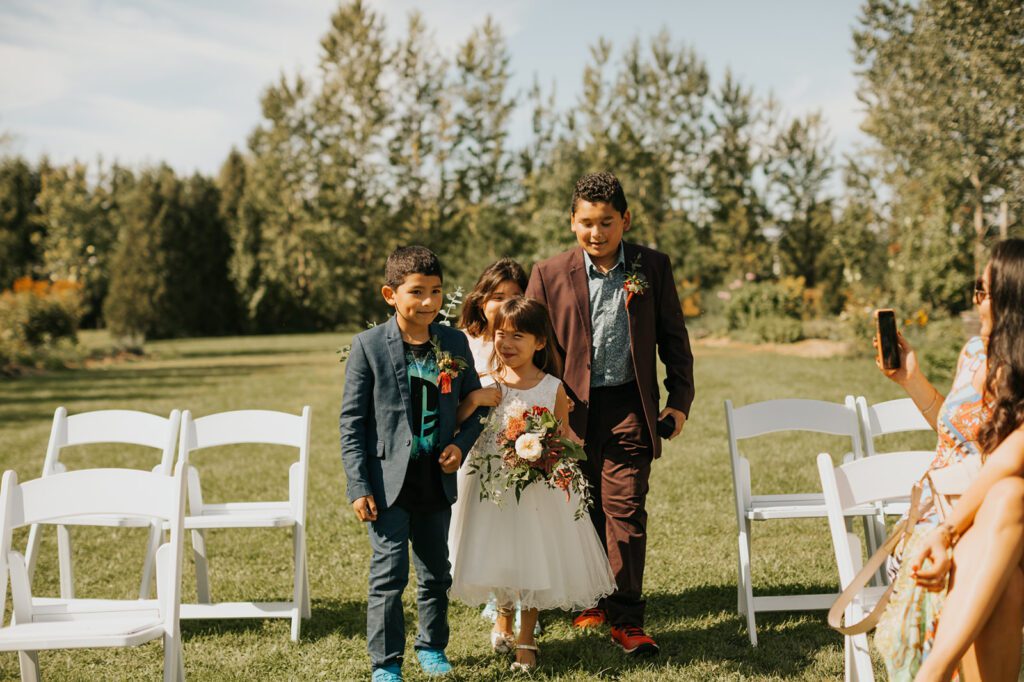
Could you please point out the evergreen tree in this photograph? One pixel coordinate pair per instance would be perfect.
(485, 193)
(20, 226)
(798, 173)
(733, 241)
(79, 234)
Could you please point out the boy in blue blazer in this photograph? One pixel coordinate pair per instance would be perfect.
(403, 383)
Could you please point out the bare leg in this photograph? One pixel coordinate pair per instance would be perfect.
(986, 566)
(505, 621)
(527, 621)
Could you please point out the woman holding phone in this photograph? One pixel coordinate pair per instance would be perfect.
(980, 546)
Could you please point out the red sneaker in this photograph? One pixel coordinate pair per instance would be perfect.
(634, 640)
(590, 618)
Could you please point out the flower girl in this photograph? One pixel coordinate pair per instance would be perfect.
(521, 533)
(501, 281)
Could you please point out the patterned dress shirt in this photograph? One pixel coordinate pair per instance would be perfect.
(611, 360)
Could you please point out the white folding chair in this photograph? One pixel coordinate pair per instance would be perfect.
(126, 427)
(39, 624)
(846, 489)
(247, 427)
(758, 419)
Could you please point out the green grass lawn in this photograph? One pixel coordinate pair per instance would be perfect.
(691, 566)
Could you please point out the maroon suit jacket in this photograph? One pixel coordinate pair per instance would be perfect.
(655, 320)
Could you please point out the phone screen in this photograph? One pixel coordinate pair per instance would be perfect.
(889, 347)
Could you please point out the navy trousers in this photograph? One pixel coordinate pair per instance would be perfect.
(390, 537)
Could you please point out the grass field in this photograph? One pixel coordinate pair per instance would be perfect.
(691, 570)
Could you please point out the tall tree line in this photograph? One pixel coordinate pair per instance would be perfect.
(391, 141)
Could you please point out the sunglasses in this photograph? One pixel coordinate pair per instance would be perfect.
(980, 294)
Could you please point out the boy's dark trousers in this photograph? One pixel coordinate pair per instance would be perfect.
(618, 467)
(390, 537)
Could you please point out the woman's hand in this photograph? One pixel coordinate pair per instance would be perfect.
(486, 397)
(935, 549)
(909, 366)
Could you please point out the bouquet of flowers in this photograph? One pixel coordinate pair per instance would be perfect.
(530, 450)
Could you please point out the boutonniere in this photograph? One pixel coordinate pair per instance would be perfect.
(448, 365)
(636, 282)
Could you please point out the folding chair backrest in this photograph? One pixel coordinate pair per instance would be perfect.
(250, 426)
(793, 414)
(128, 427)
(892, 416)
(867, 480)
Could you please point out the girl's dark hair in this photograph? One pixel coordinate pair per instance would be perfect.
(1004, 382)
(472, 318)
(528, 316)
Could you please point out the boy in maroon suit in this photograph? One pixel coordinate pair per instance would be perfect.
(613, 305)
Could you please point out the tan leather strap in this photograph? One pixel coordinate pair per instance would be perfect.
(863, 577)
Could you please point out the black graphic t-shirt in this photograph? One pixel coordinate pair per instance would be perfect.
(422, 490)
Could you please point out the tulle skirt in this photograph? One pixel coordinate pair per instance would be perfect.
(532, 553)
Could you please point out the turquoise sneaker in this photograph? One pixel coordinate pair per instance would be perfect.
(388, 673)
(433, 662)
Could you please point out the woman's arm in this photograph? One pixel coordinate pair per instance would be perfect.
(912, 380)
(1005, 461)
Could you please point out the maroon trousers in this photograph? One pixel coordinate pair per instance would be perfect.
(618, 467)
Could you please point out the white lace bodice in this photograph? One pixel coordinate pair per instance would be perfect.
(515, 400)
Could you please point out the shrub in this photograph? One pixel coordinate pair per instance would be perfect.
(39, 323)
(770, 329)
(765, 311)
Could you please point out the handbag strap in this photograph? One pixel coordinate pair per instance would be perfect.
(863, 577)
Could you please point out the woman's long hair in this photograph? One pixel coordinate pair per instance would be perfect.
(528, 316)
(506, 269)
(1004, 382)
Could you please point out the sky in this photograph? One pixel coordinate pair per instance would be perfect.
(179, 81)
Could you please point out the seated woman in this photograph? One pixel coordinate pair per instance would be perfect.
(979, 627)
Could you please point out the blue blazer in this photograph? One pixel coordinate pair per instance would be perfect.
(376, 412)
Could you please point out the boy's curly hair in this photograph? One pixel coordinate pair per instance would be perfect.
(410, 260)
(600, 187)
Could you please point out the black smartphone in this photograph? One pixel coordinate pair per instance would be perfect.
(888, 344)
(665, 426)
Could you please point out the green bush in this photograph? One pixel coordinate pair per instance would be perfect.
(770, 312)
(38, 324)
(771, 329)
(764, 299)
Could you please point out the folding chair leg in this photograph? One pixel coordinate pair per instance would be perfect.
(155, 536)
(307, 612)
(173, 660)
(746, 598)
(67, 576)
(858, 660)
(202, 573)
(29, 662)
(298, 602)
(181, 660)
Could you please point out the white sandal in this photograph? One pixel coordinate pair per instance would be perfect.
(502, 642)
(526, 667)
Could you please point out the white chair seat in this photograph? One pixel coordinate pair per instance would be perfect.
(120, 631)
(243, 515)
(763, 507)
(106, 520)
(55, 608)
